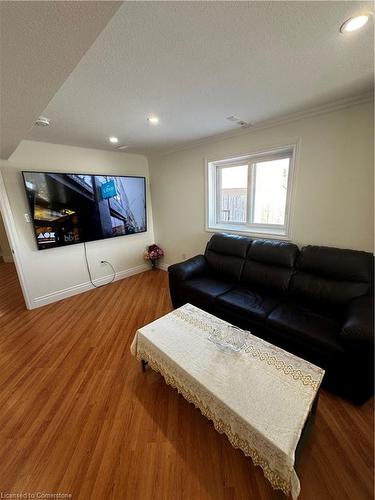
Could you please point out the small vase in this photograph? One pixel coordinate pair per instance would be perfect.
(153, 264)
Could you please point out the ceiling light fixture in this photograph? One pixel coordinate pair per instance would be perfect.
(113, 140)
(42, 121)
(153, 119)
(122, 146)
(355, 23)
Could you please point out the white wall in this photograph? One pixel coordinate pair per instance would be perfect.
(334, 192)
(58, 272)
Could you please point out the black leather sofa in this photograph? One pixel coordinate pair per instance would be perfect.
(316, 302)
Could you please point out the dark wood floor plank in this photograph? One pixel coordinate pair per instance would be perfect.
(79, 416)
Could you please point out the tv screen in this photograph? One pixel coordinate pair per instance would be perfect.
(74, 208)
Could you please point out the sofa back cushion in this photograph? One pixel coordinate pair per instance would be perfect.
(332, 275)
(270, 264)
(226, 254)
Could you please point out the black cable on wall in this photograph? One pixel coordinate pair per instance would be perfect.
(102, 262)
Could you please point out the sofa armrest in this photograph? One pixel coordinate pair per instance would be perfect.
(189, 268)
(359, 324)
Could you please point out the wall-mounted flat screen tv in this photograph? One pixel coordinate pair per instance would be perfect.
(74, 208)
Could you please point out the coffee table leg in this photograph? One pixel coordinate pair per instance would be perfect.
(306, 430)
(144, 365)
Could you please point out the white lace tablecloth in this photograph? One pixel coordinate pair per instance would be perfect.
(259, 397)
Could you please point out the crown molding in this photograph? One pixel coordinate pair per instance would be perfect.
(272, 122)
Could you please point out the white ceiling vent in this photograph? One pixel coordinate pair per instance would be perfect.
(233, 118)
(42, 121)
(241, 123)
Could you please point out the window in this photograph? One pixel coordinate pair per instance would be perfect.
(251, 194)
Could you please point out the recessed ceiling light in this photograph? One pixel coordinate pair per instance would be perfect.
(113, 140)
(42, 121)
(355, 23)
(153, 119)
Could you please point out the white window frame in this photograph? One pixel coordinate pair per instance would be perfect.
(255, 229)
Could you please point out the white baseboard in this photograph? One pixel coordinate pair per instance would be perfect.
(84, 287)
(163, 266)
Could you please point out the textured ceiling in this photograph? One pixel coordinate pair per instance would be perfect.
(40, 44)
(195, 63)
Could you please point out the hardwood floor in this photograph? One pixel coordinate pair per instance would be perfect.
(78, 416)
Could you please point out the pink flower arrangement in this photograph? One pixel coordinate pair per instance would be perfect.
(153, 253)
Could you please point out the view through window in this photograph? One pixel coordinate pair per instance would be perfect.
(234, 193)
(251, 194)
(270, 190)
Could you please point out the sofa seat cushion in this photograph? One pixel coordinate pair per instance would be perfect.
(204, 290)
(248, 302)
(308, 326)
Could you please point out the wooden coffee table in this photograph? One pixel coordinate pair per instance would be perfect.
(262, 397)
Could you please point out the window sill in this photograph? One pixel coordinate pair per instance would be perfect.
(274, 234)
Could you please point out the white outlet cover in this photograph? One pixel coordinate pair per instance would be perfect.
(27, 218)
